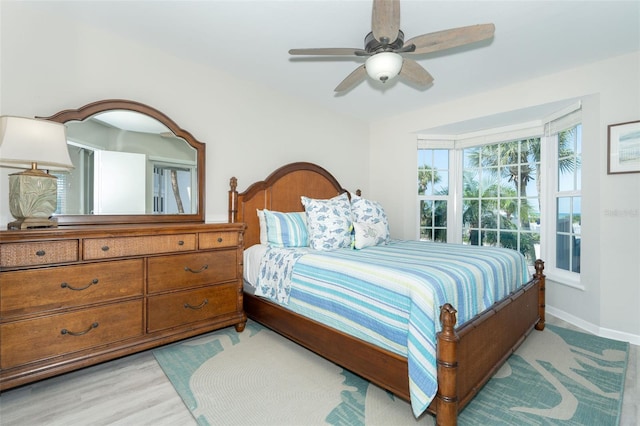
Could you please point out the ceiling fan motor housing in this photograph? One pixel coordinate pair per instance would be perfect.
(371, 45)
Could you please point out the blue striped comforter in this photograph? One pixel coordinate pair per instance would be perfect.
(391, 296)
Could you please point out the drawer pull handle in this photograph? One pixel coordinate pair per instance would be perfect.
(180, 243)
(200, 306)
(219, 239)
(204, 268)
(105, 248)
(41, 253)
(79, 333)
(66, 285)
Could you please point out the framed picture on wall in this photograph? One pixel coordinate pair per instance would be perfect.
(623, 148)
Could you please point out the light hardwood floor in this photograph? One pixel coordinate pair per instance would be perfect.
(134, 391)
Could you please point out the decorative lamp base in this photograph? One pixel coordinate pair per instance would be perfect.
(32, 199)
(33, 222)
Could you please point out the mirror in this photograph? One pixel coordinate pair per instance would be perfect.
(133, 164)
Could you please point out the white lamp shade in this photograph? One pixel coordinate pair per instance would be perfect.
(384, 66)
(24, 141)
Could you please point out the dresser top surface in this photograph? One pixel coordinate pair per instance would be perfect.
(91, 231)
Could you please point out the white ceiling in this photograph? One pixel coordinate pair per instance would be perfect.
(251, 39)
(131, 121)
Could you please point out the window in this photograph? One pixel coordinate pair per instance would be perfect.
(433, 193)
(75, 187)
(500, 202)
(518, 187)
(567, 204)
(172, 188)
(61, 183)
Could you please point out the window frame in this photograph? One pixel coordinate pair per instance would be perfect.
(547, 130)
(494, 173)
(452, 224)
(549, 148)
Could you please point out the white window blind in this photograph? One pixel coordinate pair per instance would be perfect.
(563, 119)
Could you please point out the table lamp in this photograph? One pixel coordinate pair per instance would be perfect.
(29, 143)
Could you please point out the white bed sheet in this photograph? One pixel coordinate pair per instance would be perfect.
(252, 258)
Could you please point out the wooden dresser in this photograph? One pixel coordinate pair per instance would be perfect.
(75, 296)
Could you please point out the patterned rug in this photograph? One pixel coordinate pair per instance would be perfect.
(257, 377)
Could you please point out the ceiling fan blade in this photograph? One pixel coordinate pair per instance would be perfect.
(356, 77)
(447, 39)
(385, 20)
(414, 72)
(338, 51)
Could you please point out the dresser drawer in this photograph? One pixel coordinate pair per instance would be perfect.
(38, 253)
(191, 270)
(55, 335)
(177, 309)
(41, 290)
(105, 248)
(209, 240)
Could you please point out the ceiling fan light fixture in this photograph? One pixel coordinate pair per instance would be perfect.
(384, 66)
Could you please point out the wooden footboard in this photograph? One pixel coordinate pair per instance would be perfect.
(469, 356)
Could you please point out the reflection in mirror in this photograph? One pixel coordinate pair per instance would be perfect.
(133, 164)
(127, 163)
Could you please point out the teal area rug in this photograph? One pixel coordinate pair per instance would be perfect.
(257, 377)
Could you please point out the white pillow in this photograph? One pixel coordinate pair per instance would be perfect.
(263, 227)
(368, 234)
(367, 211)
(329, 222)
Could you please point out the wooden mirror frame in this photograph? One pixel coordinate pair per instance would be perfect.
(91, 109)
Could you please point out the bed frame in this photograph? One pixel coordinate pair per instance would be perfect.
(467, 357)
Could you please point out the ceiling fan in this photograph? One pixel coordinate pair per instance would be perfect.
(386, 49)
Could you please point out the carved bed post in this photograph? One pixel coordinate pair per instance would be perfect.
(539, 265)
(233, 200)
(447, 359)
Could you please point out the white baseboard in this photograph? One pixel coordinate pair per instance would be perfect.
(634, 339)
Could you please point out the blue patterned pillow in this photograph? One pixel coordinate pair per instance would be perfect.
(329, 222)
(367, 211)
(286, 229)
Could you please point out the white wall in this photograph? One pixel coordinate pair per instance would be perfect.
(610, 90)
(49, 65)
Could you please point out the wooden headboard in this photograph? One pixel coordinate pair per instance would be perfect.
(280, 191)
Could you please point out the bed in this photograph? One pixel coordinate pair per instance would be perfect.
(466, 356)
